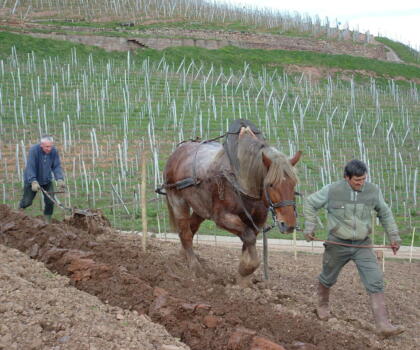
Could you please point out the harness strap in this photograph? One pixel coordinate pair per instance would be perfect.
(283, 204)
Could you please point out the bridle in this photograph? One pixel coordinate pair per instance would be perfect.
(272, 208)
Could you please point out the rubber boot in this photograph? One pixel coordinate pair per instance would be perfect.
(323, 308)
(47, 219)
(383, 326)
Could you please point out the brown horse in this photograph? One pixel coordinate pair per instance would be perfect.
(201, 184)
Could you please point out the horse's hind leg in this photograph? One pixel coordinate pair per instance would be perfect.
(195, 222)
(186, 225)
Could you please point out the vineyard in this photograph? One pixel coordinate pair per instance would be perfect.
(185, 70)
(107, 114)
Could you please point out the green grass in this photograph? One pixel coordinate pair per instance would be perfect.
(404, 52)
(46, 48)
(228, 57)
(233, 57)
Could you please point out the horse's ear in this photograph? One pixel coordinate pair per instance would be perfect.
(267, 161)
(295, 158)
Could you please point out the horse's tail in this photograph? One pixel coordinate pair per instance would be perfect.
(172, 221)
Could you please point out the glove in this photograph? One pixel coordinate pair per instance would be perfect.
(61, 184)
(309, 236)
(395, 246)
(35, 186)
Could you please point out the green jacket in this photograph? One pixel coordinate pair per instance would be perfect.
(349, 212)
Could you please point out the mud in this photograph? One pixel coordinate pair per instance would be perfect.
(213, 312)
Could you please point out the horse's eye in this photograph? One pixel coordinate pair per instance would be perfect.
(271, 185)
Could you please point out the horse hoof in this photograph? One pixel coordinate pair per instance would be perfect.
(244, 281)
(197, 272)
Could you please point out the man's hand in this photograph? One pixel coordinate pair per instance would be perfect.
(395, 246)
(61, 184)
(309, 236)
(35, 186)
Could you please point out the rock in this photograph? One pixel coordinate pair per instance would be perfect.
(260, 343)
(211, 321)
(240, 339)
(159, 291)
(195, 307)
(64, 339)
(171, 347)
(120, 317)
(302, 346)
(6, 227)
(33, 252)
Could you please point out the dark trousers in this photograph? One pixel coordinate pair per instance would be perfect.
(29, 195)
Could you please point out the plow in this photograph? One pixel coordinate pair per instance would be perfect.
(91, 220)
(69, 211)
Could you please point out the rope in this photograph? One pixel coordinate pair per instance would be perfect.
(353, 245)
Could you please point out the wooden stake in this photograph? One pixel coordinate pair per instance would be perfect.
(412, 243)
(383, 259)
(265, 255)
(143, 200)
(373, 228)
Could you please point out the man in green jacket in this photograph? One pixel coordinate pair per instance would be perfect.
(349, 204)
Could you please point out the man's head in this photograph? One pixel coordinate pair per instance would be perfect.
(47, 143)
(355, 172)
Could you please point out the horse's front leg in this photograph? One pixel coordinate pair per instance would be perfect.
(249, 259)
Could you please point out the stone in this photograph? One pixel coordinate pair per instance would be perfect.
(64, 339)
(302, 346)
(260, 343)
(240, 338)
(171, 347)
(211, 321)
(157, 292)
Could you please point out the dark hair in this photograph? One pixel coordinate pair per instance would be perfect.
(355, 168)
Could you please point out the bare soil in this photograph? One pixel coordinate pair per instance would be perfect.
(204, 313)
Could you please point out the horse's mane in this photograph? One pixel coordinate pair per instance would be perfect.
(252, 174)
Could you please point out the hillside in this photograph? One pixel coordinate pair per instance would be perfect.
(301, 44)
(119, 84)
(151, 74)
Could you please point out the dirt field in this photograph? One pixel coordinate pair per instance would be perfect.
(128, 288)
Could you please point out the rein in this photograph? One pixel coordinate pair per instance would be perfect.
(352, 245)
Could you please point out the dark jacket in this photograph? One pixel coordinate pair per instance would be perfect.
(40, 166)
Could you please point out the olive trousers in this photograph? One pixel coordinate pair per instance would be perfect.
(336, 257)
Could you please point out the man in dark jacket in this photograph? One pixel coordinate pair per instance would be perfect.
(349, 204)
(43, 160)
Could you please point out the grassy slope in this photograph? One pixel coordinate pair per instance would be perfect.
(228, 57)
(404, 52)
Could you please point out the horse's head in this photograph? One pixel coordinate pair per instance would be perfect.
(279, 188)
